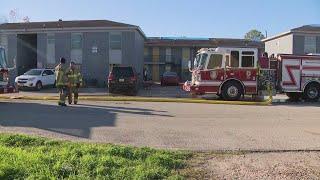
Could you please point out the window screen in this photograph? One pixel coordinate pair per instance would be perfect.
(310, 44)
(3, 62)
(115, 41)
(50, 39)
(234, 59)
(76, 41)
(51, 58)
(215, 61)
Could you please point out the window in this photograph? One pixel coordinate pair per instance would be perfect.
(310, 44)
(34, 72)
(227, 61)
(122, 72)
(47, 72)
(234, 59)
(3, 62)
(203, 60)
(76, 47)
(215, 61)
(168, 55)
(115, 41)
(247, 59)
(76, 41)
(50, 38)
(51, 49)
(167, 74)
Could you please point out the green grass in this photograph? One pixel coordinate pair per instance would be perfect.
(26, 157)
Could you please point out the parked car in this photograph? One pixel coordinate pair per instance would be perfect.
(170, 78)
(36, 79)
(123, 79)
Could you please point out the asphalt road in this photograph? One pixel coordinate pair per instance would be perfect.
(170, 125)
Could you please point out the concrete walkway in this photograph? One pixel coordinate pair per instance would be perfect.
(154, 91)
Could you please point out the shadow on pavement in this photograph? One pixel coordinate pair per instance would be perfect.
(119, 108)
(72, 120)
(296, 104)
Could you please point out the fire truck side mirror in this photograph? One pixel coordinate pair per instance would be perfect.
(189, 64)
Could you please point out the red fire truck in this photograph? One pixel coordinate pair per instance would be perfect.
(233, 72)
(4, 74)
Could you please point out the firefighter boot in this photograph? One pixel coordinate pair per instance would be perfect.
(76, 96)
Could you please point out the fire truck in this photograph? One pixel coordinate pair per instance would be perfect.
(232, 73)
(4, 74)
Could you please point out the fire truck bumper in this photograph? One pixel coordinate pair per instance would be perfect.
(187, 86)
(193, 89)
(8, 89)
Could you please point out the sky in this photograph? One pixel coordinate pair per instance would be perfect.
(178, 18)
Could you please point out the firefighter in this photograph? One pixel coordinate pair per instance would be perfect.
(61, 72)
(75, 81)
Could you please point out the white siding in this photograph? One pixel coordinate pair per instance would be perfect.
(280, 45)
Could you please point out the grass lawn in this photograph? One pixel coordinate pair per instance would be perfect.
(27, 157)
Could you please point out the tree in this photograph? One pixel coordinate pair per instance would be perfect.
(14, 17)
(254, 35)
(26, 19)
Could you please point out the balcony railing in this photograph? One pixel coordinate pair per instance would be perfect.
(162, 59)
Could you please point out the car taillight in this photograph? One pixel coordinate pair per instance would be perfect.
(134, 78)
(110, 77)
(5, 76)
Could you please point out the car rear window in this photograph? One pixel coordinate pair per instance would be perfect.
(122, 72)
(170, 74)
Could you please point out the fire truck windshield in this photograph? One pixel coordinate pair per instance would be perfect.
(200, 60)
(3, 62)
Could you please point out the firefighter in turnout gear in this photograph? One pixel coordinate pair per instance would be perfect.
(75, 82)
(61, 72)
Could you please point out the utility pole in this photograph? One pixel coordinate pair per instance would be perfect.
(266, 33)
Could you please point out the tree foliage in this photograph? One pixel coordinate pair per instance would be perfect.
(13, 17)
(254, 35)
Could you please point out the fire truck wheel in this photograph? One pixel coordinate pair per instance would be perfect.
(231, 91)
(312, 92)
(294, 96)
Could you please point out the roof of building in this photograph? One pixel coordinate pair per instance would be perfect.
(179, 38)
(67, 24)
(202, 42)
(311, 28)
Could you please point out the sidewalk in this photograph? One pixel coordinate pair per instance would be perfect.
(156, 91)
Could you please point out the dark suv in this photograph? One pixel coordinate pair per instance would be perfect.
(123, 79)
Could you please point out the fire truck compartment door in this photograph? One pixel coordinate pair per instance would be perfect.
(291, 73)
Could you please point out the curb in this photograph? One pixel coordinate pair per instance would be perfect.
(145, 99)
